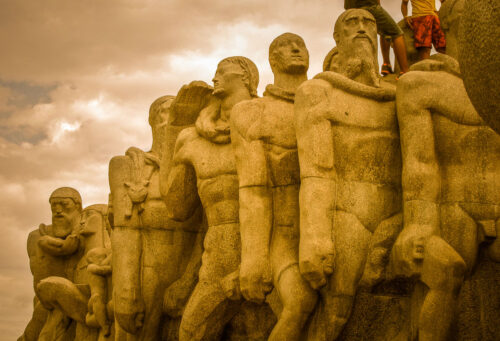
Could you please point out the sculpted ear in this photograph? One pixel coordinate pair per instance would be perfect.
(336, 37)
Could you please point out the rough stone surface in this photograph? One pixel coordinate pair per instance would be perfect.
(479, 57)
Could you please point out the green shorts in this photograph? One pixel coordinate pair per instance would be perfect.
(386, 26)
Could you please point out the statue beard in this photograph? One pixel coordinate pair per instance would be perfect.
(359, 61)
(63, 224)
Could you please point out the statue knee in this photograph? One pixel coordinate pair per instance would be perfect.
(443, 268)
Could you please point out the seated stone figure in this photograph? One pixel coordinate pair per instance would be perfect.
(265, 146)
(350, 169)
(451, 191)
(148, 247)
(67, 299)
(52, 250)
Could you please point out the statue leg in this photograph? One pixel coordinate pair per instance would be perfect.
(36, 323)
(157, 273)
(352, 242)
(208, 309)
(446, 260)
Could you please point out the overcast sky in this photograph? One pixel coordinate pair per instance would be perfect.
(76, 81)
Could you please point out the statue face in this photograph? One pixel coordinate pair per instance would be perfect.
(358, 32)
(64, 215)
(228, 78)
(290, 55)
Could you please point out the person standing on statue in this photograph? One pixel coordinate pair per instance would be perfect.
(350, 169)
(425, 25)
(263, 136)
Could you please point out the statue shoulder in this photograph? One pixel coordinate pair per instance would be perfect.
(247, 113)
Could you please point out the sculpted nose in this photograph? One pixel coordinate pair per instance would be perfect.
(295, 48)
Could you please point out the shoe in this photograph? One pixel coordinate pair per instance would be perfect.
(386, 69)
(400, 74)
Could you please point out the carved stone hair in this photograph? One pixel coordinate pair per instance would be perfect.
(250, 70)
(155, 106)
(67, 192)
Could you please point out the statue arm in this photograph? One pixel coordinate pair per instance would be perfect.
(181, 194)
(255, 199)
(318, 186)
(421, 178)
(126, 245)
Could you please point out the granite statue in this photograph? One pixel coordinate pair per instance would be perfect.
(147, 246)
(350, 170)
(265, 146)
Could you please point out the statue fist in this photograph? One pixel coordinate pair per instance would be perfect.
(316, 261)
(255, 280)
(129, 312)
(188, 103)
(408, 250)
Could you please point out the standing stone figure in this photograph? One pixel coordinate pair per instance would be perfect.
(350, 168)
(265, 146)
(451, 190)
(148, 246)
(204, 171)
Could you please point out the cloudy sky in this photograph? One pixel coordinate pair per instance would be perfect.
(76, 81)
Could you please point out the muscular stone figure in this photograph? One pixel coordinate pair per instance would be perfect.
(350, 167)
(451, 189)
(265, 146)
(51, 249)
(147, 245)
(67, 298)
(204, 170)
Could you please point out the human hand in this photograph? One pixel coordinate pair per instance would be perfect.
(409, 22)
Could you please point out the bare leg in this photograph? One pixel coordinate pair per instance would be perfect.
(443, 272)
(298, 301)
(424, 53)
(385, 47)
(352, 241)
(400, 52)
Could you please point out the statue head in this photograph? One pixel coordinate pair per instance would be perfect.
(288, 54)
(158, 117)
(355, 33)
(449, 16)
(234, 74)
(66, 206)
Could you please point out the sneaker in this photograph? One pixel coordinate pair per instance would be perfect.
(386, 69)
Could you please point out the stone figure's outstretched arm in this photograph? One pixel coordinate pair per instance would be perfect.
(182, 114)
(421, 178)
(255, 199)
(127, 249)
(181, 195)
(318, 184)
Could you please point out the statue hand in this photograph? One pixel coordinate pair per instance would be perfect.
(188, 103)
(175, 298)
(408, 250)
(255, 279)
(316, 261)
(70, 244)
(129, 310)
(231, 285)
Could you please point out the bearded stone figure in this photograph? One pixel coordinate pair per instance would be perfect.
(350, 169)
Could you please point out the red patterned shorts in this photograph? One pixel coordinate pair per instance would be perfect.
(427, 31)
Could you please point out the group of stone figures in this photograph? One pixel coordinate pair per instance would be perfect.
(346, 207)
